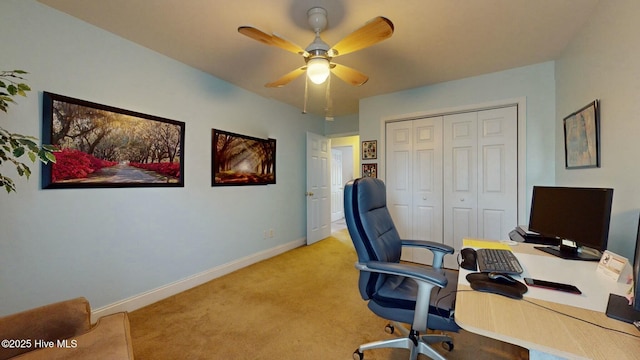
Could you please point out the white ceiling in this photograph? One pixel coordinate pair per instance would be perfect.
(434, 40)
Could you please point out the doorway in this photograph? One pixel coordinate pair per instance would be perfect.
(344, 167)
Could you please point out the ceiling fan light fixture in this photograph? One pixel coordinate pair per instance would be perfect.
(318, 70)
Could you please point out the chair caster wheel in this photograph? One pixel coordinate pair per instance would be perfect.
(357, 355)
(447, 345)
(389, 329)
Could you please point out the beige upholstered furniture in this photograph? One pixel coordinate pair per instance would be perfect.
(63, 331)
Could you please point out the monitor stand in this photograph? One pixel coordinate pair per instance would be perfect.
(618, 308)
(569, 254)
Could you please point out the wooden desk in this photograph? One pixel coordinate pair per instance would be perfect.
(542, 330)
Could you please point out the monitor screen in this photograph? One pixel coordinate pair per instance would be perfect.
(577, 214)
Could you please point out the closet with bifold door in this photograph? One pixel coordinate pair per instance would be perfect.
(453, 176)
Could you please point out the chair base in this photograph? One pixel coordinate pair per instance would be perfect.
(415, 344)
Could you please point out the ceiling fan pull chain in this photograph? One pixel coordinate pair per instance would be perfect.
(328, 110)
(306, 94)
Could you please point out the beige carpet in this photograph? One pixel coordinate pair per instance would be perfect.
(303, 304)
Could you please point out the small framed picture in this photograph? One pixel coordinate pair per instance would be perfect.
(582, 138)
(370, 170)
(369, 149)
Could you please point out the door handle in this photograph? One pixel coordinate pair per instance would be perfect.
(308, 193)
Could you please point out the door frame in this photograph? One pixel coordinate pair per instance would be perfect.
(520, 102)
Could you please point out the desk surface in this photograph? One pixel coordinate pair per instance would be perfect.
(526, 324)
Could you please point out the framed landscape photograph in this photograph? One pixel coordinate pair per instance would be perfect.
(369, 150)
(241, 159)
(370, 170)
(104, 146)
(582, 137)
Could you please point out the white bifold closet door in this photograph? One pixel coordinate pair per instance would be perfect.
(453, 176)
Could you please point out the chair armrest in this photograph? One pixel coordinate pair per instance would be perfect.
(418, 273)
(431, 245)
(60, 320)
(439, 250)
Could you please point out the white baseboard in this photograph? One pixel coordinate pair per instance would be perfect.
(163, 292)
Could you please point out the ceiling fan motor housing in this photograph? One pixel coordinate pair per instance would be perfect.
(319, 55)
(317, 17)
(318, 22)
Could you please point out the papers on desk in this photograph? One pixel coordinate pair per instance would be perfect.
(615, 267)
(484, 244)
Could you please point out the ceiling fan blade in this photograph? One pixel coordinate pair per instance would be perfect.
(256, 34)
(288, 45)
(349, 75)
(287, 78)
(374, 31)
(273, 40)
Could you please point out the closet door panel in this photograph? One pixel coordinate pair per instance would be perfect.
(463, 223)
(460, 178)
(399, 162)
(427, 184)
(497, 166)
(399, 189)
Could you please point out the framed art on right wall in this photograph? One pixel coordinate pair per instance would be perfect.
(582, 137)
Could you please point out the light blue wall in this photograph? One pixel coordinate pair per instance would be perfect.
(603, 62)
(346, 125)
(535, 83)
(111, 244)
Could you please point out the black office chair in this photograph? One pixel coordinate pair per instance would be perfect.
(414, 294)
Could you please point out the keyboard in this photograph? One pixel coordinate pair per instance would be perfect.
(498, 260)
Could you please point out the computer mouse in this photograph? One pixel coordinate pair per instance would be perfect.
(500, 276)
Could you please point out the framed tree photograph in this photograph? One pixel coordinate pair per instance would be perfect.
(370, 170)
(582, 138)
(103, 146)
(241, 159)
(369, 150)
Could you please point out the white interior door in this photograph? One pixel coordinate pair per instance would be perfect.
(318, 187)
(414, 181)
(337, 188)
(460, 177)
(399, 182)
(427, 184)
(498, 172)
(481, 176)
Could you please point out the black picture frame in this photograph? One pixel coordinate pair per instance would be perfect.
(100, 146)
(582, 137)
(369, 149)
(238, 159)
(370, 170)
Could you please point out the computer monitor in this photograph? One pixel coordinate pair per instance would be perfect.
(618, 306)
(578, 217)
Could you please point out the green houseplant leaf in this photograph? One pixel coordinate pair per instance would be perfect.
(14, 146)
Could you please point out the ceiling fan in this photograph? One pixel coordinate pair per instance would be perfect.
(318, 55)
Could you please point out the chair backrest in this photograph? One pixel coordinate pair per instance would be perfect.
(371, 228)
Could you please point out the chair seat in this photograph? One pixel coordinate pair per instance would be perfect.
(395, 300)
